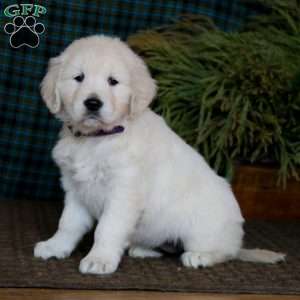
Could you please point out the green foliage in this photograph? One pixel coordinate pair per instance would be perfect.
(233, 96)
(283, 16)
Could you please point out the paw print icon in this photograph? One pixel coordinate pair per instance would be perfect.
(24, 32)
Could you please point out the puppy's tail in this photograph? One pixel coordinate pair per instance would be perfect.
(261, 256)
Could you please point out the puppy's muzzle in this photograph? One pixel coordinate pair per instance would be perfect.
(93, 104)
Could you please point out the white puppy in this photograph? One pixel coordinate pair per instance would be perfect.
(123, 166)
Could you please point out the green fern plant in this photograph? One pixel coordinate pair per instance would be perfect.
(232, 96)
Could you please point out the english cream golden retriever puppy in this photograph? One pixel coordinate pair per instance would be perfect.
(122, 166)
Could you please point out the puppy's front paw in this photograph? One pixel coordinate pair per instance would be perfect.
(98, 265)
(51, 248)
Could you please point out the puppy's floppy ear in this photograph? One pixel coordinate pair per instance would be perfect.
(143, 86)
(48, 86)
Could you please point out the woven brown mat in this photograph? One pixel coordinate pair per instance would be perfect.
(23, 223)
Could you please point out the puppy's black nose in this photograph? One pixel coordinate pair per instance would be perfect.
(93, 104)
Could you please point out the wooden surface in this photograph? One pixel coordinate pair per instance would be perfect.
(46, 294)
(260, 197)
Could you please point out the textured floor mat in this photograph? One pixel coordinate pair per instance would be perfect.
(23, 223)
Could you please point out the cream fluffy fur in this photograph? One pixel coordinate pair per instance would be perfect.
(144, 186)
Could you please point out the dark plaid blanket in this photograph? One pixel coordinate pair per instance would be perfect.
(27, 130)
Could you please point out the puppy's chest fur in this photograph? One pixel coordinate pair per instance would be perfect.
(89, 169)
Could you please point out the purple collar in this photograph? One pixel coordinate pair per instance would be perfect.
(97, 133)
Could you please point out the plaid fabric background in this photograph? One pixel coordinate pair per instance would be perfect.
(27, 130)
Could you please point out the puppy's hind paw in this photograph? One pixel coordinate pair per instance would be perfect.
(143, 252)
(200, 259)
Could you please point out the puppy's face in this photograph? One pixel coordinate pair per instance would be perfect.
(94, 88)
(97, 82)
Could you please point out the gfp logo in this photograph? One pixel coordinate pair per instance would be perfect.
(24, 30)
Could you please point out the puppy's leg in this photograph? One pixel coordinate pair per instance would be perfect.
(112, 234)
(73, 224)
(204, 253)
(141, 252)
(207, 248)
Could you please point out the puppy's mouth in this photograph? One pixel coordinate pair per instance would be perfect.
(92, 126)
(92, 120)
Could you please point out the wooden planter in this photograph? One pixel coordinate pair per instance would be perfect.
(261, 198)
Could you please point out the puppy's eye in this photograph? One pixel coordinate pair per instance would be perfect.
(79, 78)
(112, 81)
